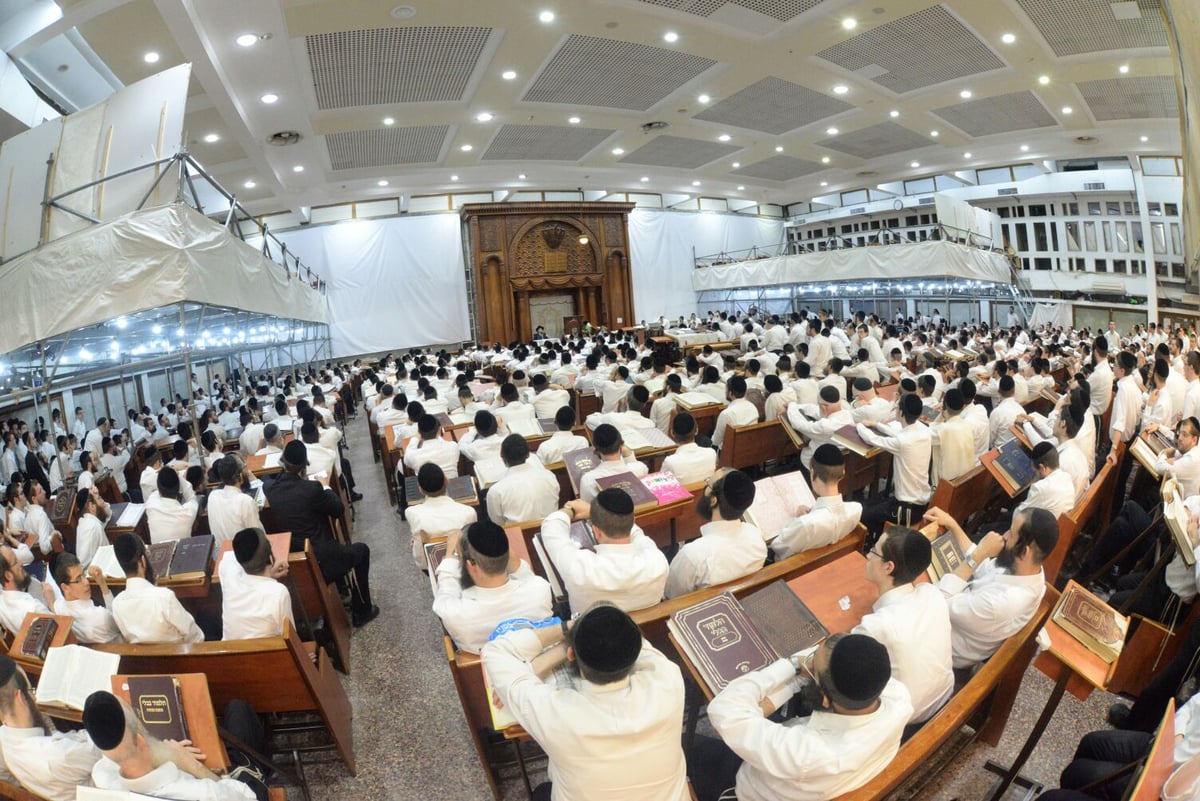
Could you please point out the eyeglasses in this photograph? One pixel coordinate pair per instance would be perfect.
(876, 554)
(80, 579)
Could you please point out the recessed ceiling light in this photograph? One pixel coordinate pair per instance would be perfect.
(389, 121)
(736, 164)
(831, 131)
(382, 182)
(645, 178)
(1145, 139)
(298, 168)
(1067, 109)
(466, 148)
(824, 159)
(695, 183)
(894, 113)
(210, 138)
(670, 36)
(1024, 148)
(778, 148)
(573, 120)
(546, 16)
(704, 98)
(934, 134)
(1123, 69)
(1043, 79)
(483, 116)
(521, 177)
(249, 184)
(915, 164)
(269, 98)
(1008, 38)
(509, 75)
(151, 57)
(849, 23)
(723, 138)
(824, 183)
(247, 40)
(965, 94)
(841, 89)
(966, 155)
(617, 151)
(741, 189)
(453, 177)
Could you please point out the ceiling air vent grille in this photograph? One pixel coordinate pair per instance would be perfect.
(1009, 190)
(858, 210)
(925, 201)
(1094, 187)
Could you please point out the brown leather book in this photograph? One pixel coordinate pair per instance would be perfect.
(642, 497)
(461, 489)
(848, 437)
(191, 557)
(783, 619)
(720, 640)
(947, 556)
(38, 638)
(159, 556)
(1091, 621)
(159, 704)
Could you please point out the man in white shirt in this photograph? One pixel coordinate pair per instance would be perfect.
(1183, 461)
(1125, 420)
(830, 518)
(739, 412)
(47, 762)
(527, 491)
(997, 588)
(230, 508)
(615, 459)
(727, 548)
(911, 620)
(818, 429)
(853, 733)
(1004, 415)
(509, 408)
(253, 601)
(37, 522)
(1191, 399)
(430, 447)
(976, 417)
(89, 531)
(612, 734)
(625, 567)
(868, 407)
(483, 440)
(171, 510)
(148, 480)
(911, 446)
(631, 419)
(562, 441)
(90, 623)
(438, 515)
(1100, 382)
(144, 612)
(690, 462)
(953, 440)
(16, 599)
(115, 458)
(501, 586)
(1053, 490)
(548, 399)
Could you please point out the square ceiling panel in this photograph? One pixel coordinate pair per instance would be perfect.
(922, 49)
(1089, 26)
(782, 10)
(606, 73)
(544, 143)
(677, 151)
(779, 168)
(382, 147)
(381, 66)
(883, 139)
(1148, 97)
(1018, 111)
(775, 106)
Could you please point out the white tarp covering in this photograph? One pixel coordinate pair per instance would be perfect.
(141, 261)
(885, 262)
(1056, 314)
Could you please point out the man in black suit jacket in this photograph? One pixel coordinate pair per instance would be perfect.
(303, 507)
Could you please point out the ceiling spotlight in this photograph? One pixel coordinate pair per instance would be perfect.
(915, 164)
(269, 98)
(453, 177)
(824, 183)
(573, 120)
(778, 148)
(298, 168)
(894, 113)
(483, 116)
(249, 184)
(247, 40)
(724, 138)
(210, 138)
(151, 57)
(934, 134)
(966, 155)
(583, 240)
(824, 159)
(546, 16)
(1024, 148)
(1043, 79)
(741, 189)
(618, 151)
(521, 177)
(466, 148)
(736, 164)
(389, 121)
(965, 94)
(695, 183)
(1145, 139)
(1008, 38)
(382, 182)
(671, 36)
(1123, 69)
(831, 131)
(841, 89)
(509, 75)
(645, 178)
(704, 98)
(1067, 109)
(849, 23)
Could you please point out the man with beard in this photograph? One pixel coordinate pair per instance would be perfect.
(999, 585)
(144, 612)
(47, 762)
(727, 548)
(15, 599)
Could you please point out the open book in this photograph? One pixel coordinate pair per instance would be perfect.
(640, 439)
(72, 672)
(1176, 516)
(776, 499)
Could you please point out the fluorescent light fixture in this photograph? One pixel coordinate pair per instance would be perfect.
(824, 183)
(1145, 139)
(1123, 69)
(695, 183)
(934, 134)
(269, 98)
(617, 151)
(573, 120)
(704, 98)
(509, 75)
(389, 120)
(382, 182)
(453, 177)
(249, 184)
(1024, 148)
(915, 164)
(824, 159)
(212, 137)
(151, 57)
(894, 113)
(741, 189)
(723, 138)
(671, 36)
(966, 155)
(298, 168)
(546, 16)
(778, 148)
(1008, 38)
(645, 178)
(736, 164)
(466, 148)
(1043, 79)
(966, 94)
(1067, 110)
(483, 116)
(841, 89)
(831, 131)
(521, 177)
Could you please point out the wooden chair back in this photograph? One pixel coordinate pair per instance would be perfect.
(318, 598)
(1160, 762)
(969, 493)
(467, 672)
(748, 446)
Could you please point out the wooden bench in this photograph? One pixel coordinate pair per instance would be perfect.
(748, 446)
(969, 494)
(272, 674)
(984, 703)
(1090, 514)
(15, 792)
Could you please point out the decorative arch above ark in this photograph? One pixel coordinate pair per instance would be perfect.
(575, 250)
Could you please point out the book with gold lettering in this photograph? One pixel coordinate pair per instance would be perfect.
(642, 497)
(1091, 621)
(579, 462)
(159, 705)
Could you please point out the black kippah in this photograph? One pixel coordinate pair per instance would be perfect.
(911, 406)
(862, 384)
(908, 385)
(828, 455)
(953, 400)
(8, 668)
(605, 436)
(1041, 449)
(830, 395)
(104, 720)
(738, 490)
(245, 545)
(606, 640)
(126, 547)
(615, 500)
(683, 424)
(168, 478)
(487, 539)
(859, 668)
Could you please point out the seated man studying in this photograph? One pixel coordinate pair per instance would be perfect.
(253, 601)
(830, 519)
(727, 548)
(144, 612)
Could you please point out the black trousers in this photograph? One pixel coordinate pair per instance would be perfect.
(1123, 471)
(1100, 754)
(1148, 709)
(1151, 603)
(338, 561)
(1130, 521)
(542, 791)
(712, 766)
(347, 475)
(890, 510)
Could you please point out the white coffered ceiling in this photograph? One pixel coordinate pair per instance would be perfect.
(786, 90)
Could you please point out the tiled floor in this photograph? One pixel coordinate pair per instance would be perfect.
(411, 739)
